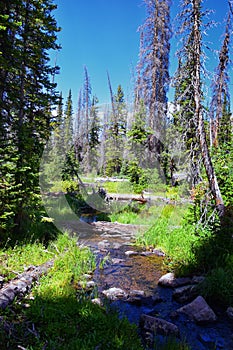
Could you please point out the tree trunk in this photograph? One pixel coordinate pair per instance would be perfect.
(213, 183)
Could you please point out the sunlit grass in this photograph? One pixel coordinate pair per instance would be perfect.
(14, 260)
(143, 215)
(122, 187)
(173, 235)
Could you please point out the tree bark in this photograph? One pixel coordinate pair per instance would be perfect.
(22, 284)
(213, 182)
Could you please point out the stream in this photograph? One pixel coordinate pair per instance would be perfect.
(128, 276)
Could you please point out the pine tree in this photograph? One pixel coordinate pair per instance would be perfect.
(137, 136)
(27, 33)
(225, 125)
(116, 133)
(94, 135)
(68, 122)
(86, 121)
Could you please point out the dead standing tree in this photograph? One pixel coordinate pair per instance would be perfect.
(220, 86)
(196, 81)
(153, 75)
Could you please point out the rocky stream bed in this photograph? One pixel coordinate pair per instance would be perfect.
(133, 281)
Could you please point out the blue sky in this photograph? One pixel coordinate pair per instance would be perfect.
(102, 35)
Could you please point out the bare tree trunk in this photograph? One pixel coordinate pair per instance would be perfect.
(221, 82)
(213, 183)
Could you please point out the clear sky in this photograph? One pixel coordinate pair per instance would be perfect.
(102, 35)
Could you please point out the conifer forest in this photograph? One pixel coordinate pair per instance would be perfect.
(144, 158)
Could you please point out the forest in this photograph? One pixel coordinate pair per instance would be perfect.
(60, 162)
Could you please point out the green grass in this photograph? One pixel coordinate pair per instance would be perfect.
(14, 260)
(194, 249)
(118, 187)
(175, 242)
(172, 236)
(60, 315)
(139, 214)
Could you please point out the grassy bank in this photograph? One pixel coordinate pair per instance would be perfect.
(140, 214)
(57, 315)
(192, 248)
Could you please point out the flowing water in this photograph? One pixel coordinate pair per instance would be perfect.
(139, 273)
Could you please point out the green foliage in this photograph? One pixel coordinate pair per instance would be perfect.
(68, 122)
(118, 186)
(27, 95)
(171, 234)
(143, 178)
(113, 166)
(138, 132)
(218, 285)
(223, 162)
(62, 316)
(173, 193)
(137, 176)
(71, 165)
(135, 172)
(115, 135)
(70, 186)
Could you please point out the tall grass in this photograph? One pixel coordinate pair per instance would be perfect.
(173, 235)
(139, 214)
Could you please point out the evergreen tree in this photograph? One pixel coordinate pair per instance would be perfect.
(137, 136)
(116, 133)
(190, 95)
(86, 121)
(78, 133)
(68, 122)
(27, 33)
(94, 135)
(225, 125)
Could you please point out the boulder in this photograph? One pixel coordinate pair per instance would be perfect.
(135, 297)
(158, 326)
(199, 311)
(169, 280)
(115, 293)
(185, 294)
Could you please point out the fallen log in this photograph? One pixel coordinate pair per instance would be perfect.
(22, 284)
(139, 199)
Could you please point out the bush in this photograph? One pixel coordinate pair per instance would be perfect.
(70, 186)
